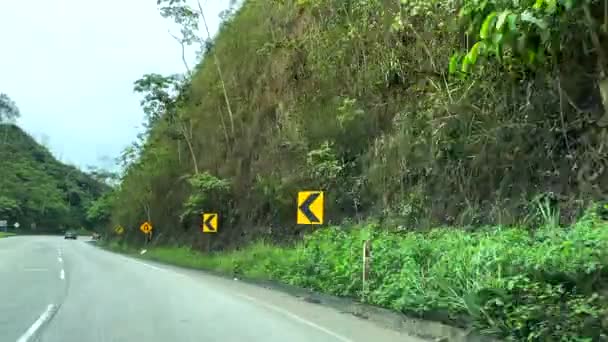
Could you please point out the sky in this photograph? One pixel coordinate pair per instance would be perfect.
(70, 66)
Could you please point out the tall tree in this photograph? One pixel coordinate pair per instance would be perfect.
(9, 112)
(162, 97)
(187, 18)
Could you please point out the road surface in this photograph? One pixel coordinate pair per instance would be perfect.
(56, 290)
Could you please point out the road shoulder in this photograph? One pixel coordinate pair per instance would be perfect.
(424, 329)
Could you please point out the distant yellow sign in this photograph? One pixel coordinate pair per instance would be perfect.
(119, 230)
(310, 207)
(209, 223)
(146, 227)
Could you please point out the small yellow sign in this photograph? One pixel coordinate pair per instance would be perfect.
(146, 227)
(310, 207)
(209, 223)
(119, 230)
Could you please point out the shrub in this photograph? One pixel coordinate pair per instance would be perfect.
(545, 285)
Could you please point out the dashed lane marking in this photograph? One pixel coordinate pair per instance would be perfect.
(46, 315)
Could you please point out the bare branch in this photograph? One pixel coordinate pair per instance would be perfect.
(219, 69)
(183, 45)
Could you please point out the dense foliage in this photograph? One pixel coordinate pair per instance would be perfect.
(38, 191)
(414, 113)
(356, 98)
(544, 284)
(9, 111)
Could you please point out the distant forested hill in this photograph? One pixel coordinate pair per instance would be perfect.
(35, 188)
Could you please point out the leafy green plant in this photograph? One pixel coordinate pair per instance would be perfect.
(9, 111)
(546, 210)
(522, 34)
(208, 193)
(502, 281)
(324, 164)
(100, 210)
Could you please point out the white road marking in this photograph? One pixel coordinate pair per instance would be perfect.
(27, 336)
(150, 266)
(251, 299)
(295, 317)
(60, 259)
(173, 272)
(147, 265)
(62, 274)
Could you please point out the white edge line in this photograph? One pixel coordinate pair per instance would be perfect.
(62, 274)
(173, 272)
(271, 307)
(147, 265)
(32, 330)
(296, 317)
(35, 269)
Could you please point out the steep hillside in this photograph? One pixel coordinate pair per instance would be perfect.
(409, 115)
(37, 189)
(367, 101)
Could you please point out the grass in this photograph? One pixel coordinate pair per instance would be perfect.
(542, 284)
(3, 234)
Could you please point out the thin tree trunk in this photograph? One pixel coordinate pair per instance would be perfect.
(188, 139)
(223, 125)
(219, 69)
(182, 44)
(179, 152)
(147, 210)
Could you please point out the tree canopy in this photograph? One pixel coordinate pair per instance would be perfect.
(37, 189)
(9, 112)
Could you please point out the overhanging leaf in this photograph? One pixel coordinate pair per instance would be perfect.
(512, 20)
(527, 16)
(466, 64)
(568, 4)
(487, 25)
(454, 63)
(551, 6)
(475, 51)
(497, 38)
(502, 19)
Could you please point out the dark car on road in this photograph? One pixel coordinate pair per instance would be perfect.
(70, 235)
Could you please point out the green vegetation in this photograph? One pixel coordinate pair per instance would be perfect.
(3, 234)
(9, 111)
(413, 114)
(37, 189)
(545, 284)
(356, 98)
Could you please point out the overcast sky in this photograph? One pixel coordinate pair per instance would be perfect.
(70, 67)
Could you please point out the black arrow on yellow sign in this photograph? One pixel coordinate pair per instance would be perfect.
(305, 207)
(310, 207)
(209, 223)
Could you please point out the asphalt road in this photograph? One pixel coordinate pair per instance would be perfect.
(56, 290)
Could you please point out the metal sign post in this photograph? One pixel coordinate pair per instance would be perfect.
(367, 253)
(146, 228)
